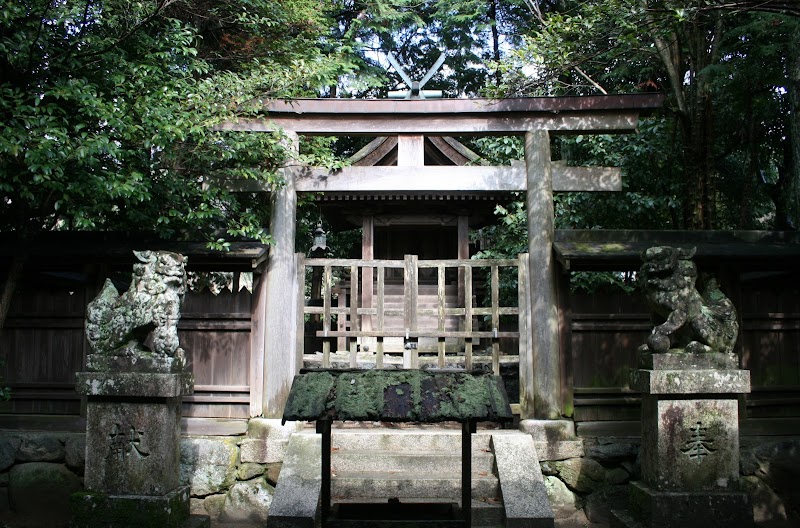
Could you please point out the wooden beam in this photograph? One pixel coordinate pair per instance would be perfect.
(440, 125)
(367, 253)
(410, 151)
(258, 333)
(442, 178)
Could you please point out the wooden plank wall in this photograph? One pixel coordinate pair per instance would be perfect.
(769, 304)
(43, 345)
(215, 332)
(604, 328)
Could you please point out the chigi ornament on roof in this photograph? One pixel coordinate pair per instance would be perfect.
(415, 90)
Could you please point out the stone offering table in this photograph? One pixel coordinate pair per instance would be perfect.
(690, 442)
(397, 396)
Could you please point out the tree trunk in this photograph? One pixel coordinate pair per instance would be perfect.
(498, 76)
(793, 198)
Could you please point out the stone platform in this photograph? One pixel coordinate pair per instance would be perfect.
(690, 443)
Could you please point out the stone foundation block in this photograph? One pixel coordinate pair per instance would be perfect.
(41, 489)
(548, 430)
(559, 450)
(690, 445)
(709, 509)
(36, 447)
(129, 449)
(99, 510)
(691, 381)
(264, 428)
(266, 440)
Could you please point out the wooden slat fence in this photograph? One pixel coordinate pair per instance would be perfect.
(43, 345)
(604, 328)
(215, 331)
(345, 318)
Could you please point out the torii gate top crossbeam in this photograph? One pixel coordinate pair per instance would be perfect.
(443, 117)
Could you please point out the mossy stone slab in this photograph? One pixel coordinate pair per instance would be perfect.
(397, 396)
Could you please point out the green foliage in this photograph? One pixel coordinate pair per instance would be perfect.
(719, 158)
(473, 33)
(107, 112)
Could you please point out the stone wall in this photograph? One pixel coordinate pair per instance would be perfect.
(232, 478)
(584, 489)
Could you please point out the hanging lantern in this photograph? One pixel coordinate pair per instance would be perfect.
(320, 245)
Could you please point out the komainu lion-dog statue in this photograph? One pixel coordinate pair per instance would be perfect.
(686, 320)
(119, 326)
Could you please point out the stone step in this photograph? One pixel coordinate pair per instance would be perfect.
(488, 513)
(408, 485)
(393, 461)
(407, 440)
(485, 513)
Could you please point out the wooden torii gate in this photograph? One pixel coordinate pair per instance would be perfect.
(411, 120)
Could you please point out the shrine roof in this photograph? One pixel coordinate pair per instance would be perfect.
(595, 249)
(59, 248)
(397, 396)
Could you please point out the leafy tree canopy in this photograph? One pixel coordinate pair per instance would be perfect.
(107, 110)
(727, 152)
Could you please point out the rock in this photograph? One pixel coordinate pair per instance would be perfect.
(196, 506)
(599, 504)
(564, 502)
(8, 451)
(548, 469)
(248, 501)
(214, 504)
(617, 475)
(4, 504)
(4, 480)
(42, 489)
(748, 463)
(581, 474)
(273, 472)
(75, 453)
(612, 450)
(768, 507)
(779, 468)
(576, 520)
(249, 470)
(632, 468)
(208, 465)
(40, 447)
(778, 463)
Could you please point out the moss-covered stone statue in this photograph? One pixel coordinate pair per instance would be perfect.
(688, 321)
(119, 325)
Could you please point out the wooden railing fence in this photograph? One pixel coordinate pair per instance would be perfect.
(370, 316)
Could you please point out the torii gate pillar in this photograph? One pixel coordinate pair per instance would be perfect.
(543, 356)
(281, 360)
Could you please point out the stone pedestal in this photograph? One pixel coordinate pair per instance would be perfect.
(690, 443)
(133, 451)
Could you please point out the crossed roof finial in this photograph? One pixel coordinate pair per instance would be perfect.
(415, 90)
